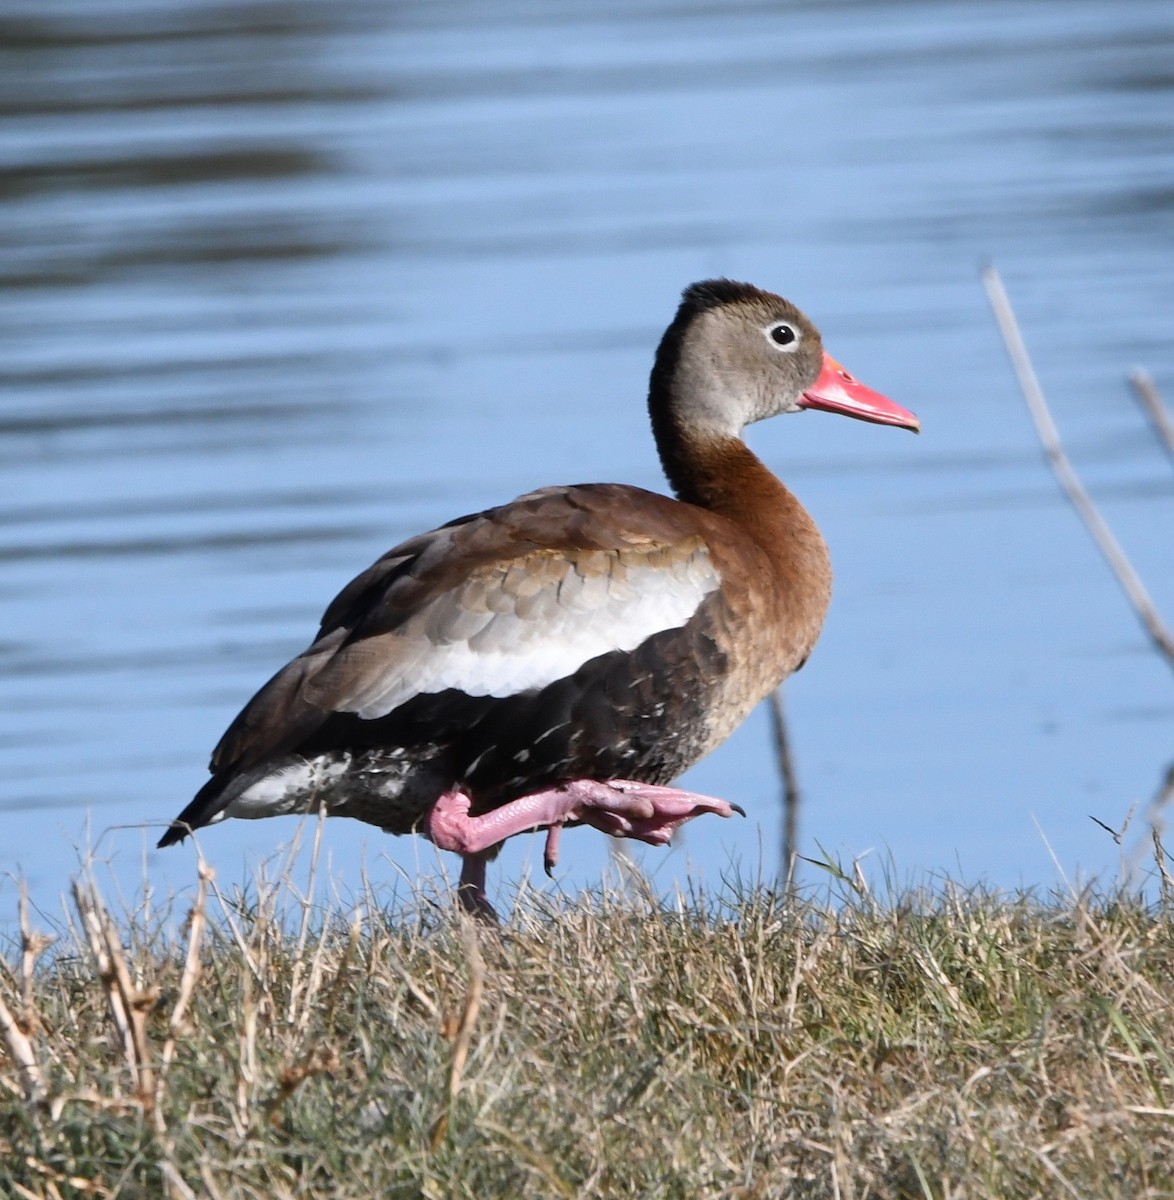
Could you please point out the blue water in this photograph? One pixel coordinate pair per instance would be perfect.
(283, 284)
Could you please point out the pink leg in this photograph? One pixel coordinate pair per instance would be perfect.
(471, 889)
(619, 807)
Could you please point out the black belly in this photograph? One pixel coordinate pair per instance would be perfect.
(641, 715)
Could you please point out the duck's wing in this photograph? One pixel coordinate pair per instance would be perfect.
(503, 602)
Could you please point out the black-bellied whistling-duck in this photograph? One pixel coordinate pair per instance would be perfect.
(562, 658)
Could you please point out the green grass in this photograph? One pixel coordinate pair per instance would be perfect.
(940, 1043)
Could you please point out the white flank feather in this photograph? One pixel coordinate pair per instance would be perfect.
(509, 654)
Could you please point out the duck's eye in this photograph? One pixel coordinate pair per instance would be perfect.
(784, 335)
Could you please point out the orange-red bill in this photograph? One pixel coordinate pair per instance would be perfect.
(838, 391)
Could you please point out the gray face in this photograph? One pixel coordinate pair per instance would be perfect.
(743, 361)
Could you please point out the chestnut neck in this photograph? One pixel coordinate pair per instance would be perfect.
(722, 474)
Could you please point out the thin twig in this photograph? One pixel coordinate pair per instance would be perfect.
(1107, 828)
(1151, 401)
(1049, 436)
(790, 781)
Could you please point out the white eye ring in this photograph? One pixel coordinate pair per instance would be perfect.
(783, 336)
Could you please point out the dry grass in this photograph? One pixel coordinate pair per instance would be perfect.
(940, 1044)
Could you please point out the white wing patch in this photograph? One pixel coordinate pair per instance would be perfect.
(515, 627)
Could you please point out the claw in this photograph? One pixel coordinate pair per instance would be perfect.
(550, 853)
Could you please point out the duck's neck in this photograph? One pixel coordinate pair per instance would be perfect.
(790, 570)
(721, 473)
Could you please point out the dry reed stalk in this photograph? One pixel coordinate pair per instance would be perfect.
(1157, 828)
(1151, 401)
(1160, 859)
(21, 1050)
(804, 964)
(790, 780)
(191, 968)
(306, 903)
(246, 1052)
(211, 1191)
(540, 1164)
(307, 991)
(463, 1036)
(349, 955)
(313, 983)
(414, 990)
(128, 1005)
(1066, 475)
(173, 1182)
(17, 1030)
(234, 929)
(318, 1060)
(32, 946)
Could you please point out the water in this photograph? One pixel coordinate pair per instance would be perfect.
(287, 282)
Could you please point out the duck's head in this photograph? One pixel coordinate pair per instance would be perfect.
(736, 354)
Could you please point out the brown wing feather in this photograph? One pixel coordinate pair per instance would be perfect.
(497, 600)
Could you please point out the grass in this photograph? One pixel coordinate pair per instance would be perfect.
(939, 1043)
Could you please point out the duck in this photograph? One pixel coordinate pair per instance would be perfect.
(561, 659)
